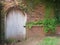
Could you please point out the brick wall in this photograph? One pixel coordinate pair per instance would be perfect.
(35, 31)
(37, 14)
(58, 30)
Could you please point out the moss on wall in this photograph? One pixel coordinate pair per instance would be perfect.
(2, 24)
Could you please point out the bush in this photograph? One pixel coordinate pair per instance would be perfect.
(50, 41)
(49, 25)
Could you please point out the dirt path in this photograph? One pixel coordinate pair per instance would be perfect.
(30, 41)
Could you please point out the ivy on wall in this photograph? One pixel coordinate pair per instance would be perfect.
(36, 23)
(49, 22)
(2, 25)
(57, 11)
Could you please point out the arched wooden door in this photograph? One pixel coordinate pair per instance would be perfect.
(15, 22)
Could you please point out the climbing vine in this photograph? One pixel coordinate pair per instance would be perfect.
(2, 25)
(36, 23)
(49, 21)
(57, 11)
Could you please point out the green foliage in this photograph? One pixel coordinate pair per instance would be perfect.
(50, 41)
(10, 40)
(49, 24)
(1, 25)
(37, 23)
(47, 11)
(57, 11)
(33, 3)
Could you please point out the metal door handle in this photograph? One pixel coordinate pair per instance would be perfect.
(24, 26)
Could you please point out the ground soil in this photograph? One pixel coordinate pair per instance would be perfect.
(30, 41)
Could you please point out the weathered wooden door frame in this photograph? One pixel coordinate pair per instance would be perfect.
(9, 11)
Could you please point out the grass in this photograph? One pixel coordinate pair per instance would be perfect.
(50, 41)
